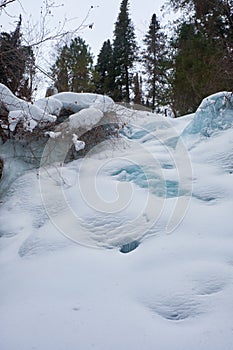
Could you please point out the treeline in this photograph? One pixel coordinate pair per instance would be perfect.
(178, 69)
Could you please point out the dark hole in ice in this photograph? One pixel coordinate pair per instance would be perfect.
(129, 247)
(204, 199)
(208, 199)
(167, 166)
(176, 317)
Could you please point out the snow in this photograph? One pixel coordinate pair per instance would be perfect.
(49, 105)
(68, 279)
(10, 101)
(214, 113)
(53, 134)
(15, 116)
(77, 101)
(79, 145)
(20, 110)
(87, 109)
(86, 118)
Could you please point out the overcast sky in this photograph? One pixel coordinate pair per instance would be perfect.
(103, 15)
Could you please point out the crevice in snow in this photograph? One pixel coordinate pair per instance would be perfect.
(129, 247)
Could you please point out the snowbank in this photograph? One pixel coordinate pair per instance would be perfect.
(171, 292)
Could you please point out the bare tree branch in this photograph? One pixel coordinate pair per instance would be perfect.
(4, 3)
(41, 32)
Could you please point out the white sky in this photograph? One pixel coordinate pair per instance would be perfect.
(103, 15)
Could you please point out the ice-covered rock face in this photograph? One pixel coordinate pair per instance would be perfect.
(214, 113)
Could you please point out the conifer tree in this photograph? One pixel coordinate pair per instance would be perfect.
(124, 53)
(203, 62)
(73, 67)
(154, 62)
(103, 74)
(16, 63)
(60, 70)
(215, 17)
(193, 70)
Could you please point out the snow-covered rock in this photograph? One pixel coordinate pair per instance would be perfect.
(8, 99)
(13, 103)
(87, 109)
(49, 105)
(86, 118)
(28, 122)
(53, 135)
(76, 101)
(20, 110)
(214, 113)
(79, 145)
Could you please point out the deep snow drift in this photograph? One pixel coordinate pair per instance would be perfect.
(67, 281)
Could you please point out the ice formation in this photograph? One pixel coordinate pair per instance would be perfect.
(214, 113)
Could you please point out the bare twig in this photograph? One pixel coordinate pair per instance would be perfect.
(4, 3)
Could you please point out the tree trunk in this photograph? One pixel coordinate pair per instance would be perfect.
(127, 84)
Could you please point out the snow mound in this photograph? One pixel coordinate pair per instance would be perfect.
(41, 242)
(173, 292)
(214, 113)
(86, 118)
(78, 101)
(20, 110)
(8, 99)
(175, 308)
(50, 105)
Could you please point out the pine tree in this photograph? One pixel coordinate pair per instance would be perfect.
(196, 70)
(17, 63)
(124, 53)
(203, 62)
(73, 67)
(103, 74)
(60, 71)
(154, 62)
(215, 19)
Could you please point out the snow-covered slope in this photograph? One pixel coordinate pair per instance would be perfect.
(65, 281)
